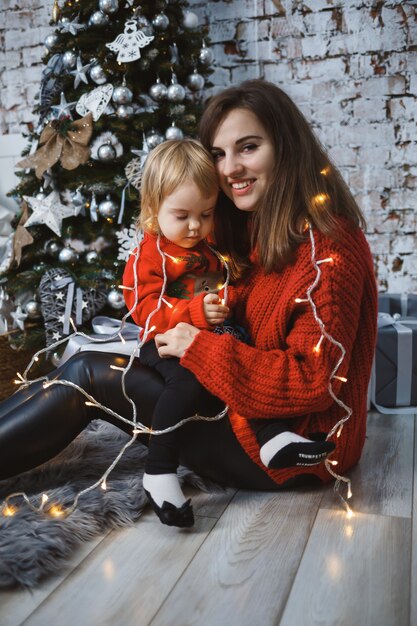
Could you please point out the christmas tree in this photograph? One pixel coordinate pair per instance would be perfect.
(120, 77)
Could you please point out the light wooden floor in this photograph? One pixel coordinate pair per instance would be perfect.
(282, 559)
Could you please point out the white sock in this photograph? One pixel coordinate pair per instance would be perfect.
(164, 487)
(274, 445)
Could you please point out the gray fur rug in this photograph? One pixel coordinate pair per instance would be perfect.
(32, 545)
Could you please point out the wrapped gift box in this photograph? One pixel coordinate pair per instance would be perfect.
(394, 379)
(404, 304)
(106, 338)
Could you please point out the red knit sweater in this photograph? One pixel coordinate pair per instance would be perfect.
(279, 374)
(191, 274)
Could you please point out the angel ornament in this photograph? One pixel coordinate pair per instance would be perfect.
(128, 44)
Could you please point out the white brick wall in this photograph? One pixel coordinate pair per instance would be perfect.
(350, 65)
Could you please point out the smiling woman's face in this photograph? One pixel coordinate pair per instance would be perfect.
(244, 157)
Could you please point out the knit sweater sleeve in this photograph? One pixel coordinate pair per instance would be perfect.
(290, 378)
(143, 300)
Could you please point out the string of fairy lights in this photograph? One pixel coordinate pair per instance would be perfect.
(56, 509)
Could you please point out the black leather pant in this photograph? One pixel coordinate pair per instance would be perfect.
(37, 423)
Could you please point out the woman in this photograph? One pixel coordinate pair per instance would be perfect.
(283, 207)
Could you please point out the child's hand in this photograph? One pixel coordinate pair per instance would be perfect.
(214, 311)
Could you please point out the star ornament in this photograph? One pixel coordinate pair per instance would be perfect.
(48, 211)
(63, 109)
(72, 27)
(80, 73)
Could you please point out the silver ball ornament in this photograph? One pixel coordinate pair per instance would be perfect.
(206, 56)
(154, 139)
(98, 18)
(176, 93)
(52, 248)
(67, 255)
(33, 309)
(122, 95)
(51, 41)
(173, 132)
(108, 6)
(69, 59)
(91, 257)
(54, 358)
(190, 20)
(158, 91)
(107, 208)
(160, 21)
(195, 81)
(98, 75)
(106, 152)
(124, 111)
(115, 299)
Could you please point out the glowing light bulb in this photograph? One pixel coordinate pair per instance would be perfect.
(333, 462)
(9, 510)
(320, 198)
(88, 403)
(325, 171)
(55, 510)
(328, 260)
(341, 378)
(316, 348)
(104, 485)
(299, 300)
(116, 367)
(44, 499)
(349, 512)
(171, 306)
(349, 493)
(339, 432)
(152, 329)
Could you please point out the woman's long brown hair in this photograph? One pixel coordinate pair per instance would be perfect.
(305, 184)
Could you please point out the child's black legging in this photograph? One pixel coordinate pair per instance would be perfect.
(37, 423)
(180, 398)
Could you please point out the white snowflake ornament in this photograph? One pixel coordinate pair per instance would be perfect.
(128, 239)
(129, 43)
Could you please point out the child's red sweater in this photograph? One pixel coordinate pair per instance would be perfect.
(191, 274)
(279, 374)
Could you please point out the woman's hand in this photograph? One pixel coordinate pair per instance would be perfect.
(176, 340)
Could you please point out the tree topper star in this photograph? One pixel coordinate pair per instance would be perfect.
(48, 211)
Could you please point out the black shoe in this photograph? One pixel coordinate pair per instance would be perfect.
(170, 515)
